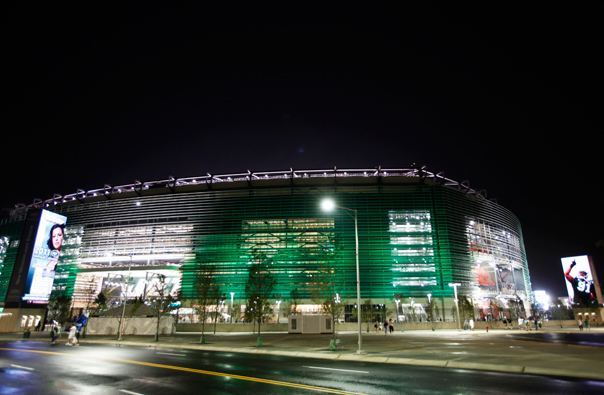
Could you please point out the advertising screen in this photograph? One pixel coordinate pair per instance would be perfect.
(579, 281)
(45, 257)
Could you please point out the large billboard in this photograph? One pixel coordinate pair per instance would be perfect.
(581, 281)
(38, 257)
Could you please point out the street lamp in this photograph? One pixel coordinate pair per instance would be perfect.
(329, 205)
(456, 303)
(232, 295)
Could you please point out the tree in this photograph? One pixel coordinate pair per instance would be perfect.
(90, 295)
(329, 284)
(328, 291)
(516, 308)
(59, 308)
(466, 308)
(219, 302)
(559, 313)
(207, 293)
(259, 288)
(292, 306)
(433, 310)
(101, 302)
(161, 303)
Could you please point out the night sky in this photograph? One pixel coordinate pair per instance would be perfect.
(507, 97)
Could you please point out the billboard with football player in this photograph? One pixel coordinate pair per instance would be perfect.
(581, 281)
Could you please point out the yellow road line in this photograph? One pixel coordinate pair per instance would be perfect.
(233, 376)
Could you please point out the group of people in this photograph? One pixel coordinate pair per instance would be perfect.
(525, 324)
(580, 322)
(73, 339)
(386, 325)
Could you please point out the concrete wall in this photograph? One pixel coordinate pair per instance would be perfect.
(353, 327)
(132, 326)
(10, 321)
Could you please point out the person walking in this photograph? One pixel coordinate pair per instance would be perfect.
(385, 326)
(71, 339)
(471, 324)
(580, 323)
(391, 326)
(53, 335)
(586, 322)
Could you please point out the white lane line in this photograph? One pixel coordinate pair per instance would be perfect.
(168, 353)
(22, 367)
(130, 392)
(338, 370)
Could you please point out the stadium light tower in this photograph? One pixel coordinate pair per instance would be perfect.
(329, 205)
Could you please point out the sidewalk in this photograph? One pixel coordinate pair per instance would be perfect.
(497, 350)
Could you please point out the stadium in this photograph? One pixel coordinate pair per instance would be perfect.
(418, 234)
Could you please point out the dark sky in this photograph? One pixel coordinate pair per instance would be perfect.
(506, 97)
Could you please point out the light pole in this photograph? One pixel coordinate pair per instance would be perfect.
(456, 303)
(232, 295)
(121, 328)
(329, 205)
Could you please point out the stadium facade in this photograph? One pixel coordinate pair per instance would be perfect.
(418, 232)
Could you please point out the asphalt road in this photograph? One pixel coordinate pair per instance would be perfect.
(40, 368)
(592, 339)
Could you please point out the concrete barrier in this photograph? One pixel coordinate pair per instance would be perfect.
(353, 326)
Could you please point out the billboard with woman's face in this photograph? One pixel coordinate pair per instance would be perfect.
(44, 257)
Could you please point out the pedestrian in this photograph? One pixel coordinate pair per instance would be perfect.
(505, 324)
(71, 339)
(536, 324)
(471, 324)
(540, 325)
(465, 324)
(526, 324)
(520, 323)
(53, 335)
(386, 326)
(580, 322)
(586, 322)
(391, 326)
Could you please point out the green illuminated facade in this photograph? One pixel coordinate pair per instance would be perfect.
(418, 232)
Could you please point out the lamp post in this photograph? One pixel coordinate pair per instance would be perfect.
(232, 295)
(121, 328)
(329, 205)
(456, 303)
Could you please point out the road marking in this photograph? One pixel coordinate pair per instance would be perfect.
(131, 392)
(22, 367)
(338, 370)
(210, 373)
(169, 353)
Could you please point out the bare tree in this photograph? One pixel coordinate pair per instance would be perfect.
(207, 293)
(161, 303)
(259, 288)
(329, 284)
